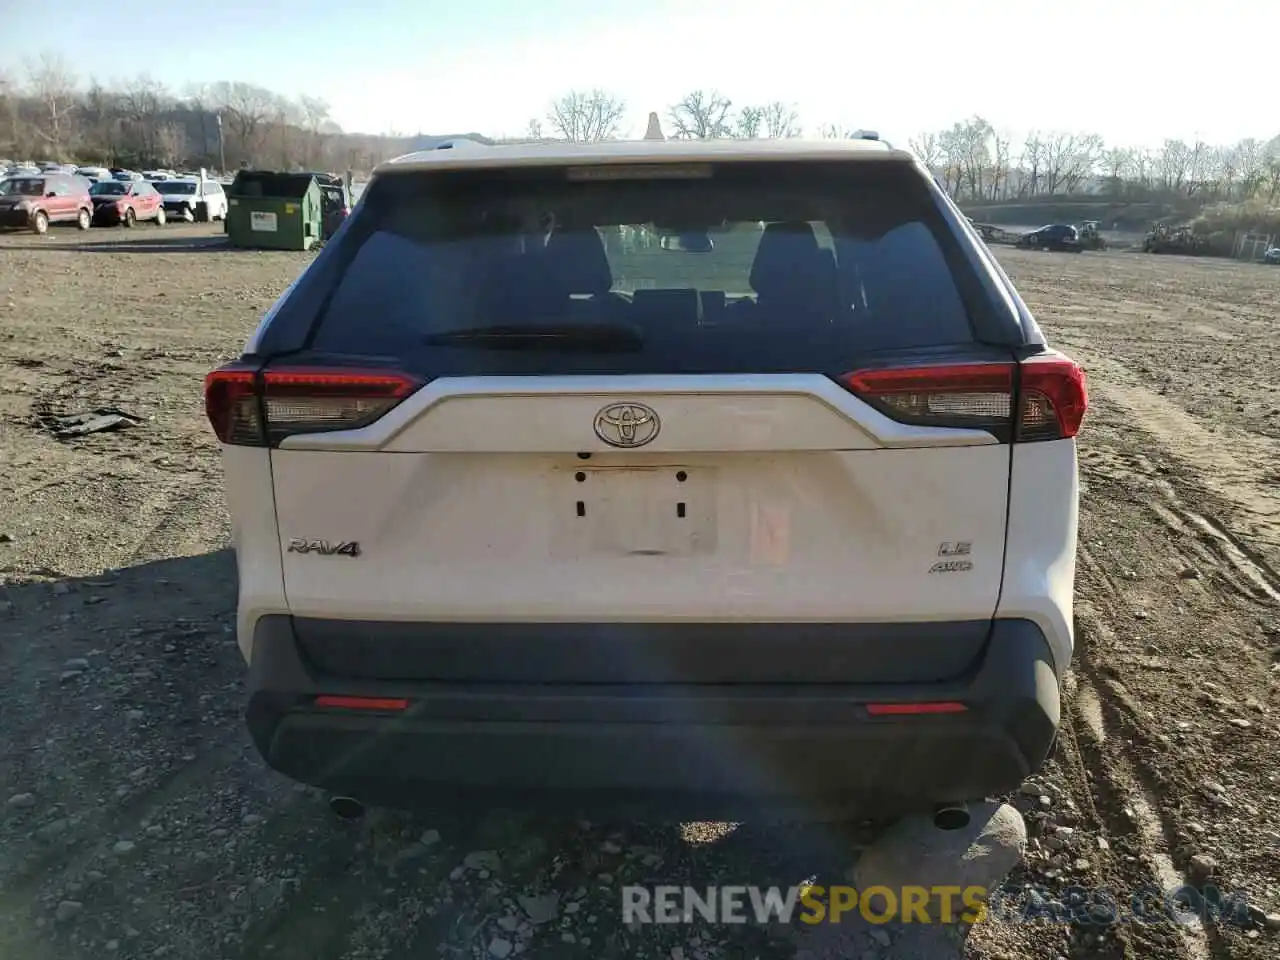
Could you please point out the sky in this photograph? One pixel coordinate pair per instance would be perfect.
(897, 66)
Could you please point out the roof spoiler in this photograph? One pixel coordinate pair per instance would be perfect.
(870, 135)
(458, 142)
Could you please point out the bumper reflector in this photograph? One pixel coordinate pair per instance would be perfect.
(362, 703)
(914, 709)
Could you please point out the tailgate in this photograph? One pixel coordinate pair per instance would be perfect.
(722, 422)
(783, 505)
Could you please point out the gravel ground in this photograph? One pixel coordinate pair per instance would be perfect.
(137, 820)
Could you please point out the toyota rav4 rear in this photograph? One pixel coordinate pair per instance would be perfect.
(701, 478)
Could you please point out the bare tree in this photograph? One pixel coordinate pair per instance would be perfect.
(1202, 169)
(927, 148)
(781, 120)
(1272, 186)
(749, 122)
(1033, 165)
(586, 116)
(969, 144)
(534, 130)
(1116, 165)
(701, 115)
(315, 115)
(954, 156)
(54, 87)
(999, 185)
(287, 136)
(205, 145)
(102, 124)
(773, 121)
(1141, 163)
(9, 120)
(244, 108)
(1069, 160)
(142, 100)
(171, 144)
(1250, 162)
(1173, 164)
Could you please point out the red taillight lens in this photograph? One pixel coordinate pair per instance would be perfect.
(1055, 397)
(980, 396)
(231, 404)
(263, 407)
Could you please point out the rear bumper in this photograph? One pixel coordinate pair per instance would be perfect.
(710, 750)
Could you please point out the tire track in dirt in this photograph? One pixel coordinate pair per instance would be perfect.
(1127, 806)
(1235, 465)
(1180, 563)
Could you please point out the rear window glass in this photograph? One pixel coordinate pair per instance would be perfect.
(741, 268)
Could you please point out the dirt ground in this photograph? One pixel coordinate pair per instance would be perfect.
(138, 821)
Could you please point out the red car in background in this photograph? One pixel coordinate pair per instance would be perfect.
(32, 203)
(125, 202)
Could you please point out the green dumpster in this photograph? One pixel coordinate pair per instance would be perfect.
(274, 211)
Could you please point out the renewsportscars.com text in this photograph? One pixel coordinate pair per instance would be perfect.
(813, 904)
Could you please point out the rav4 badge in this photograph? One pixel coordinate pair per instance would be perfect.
(326, 548)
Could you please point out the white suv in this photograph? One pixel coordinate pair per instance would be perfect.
(778, 516)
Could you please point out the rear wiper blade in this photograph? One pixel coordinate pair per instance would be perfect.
(548, 336)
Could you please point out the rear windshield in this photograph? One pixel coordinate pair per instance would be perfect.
(763, 268)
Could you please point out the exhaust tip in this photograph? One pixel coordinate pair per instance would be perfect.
(346, 808)
(951, 816)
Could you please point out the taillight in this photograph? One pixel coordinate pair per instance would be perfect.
(1051, 396)
(977, 396)
(260, 408)
(1055, 396)
(231, 404)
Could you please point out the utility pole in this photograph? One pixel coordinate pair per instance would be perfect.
(222, 147)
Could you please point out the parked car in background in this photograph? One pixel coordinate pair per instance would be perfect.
(193, 199)
(1054, 236)
(125, 175)
(33, 203)
(93, 174)
(117, 202)
(336, 206)
(1272, 256)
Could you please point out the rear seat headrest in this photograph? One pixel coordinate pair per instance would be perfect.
(785, 247)
(577, 262)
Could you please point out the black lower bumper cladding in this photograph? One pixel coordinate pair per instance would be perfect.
(710, 750)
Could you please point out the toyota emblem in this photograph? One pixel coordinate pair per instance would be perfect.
(627, 424)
